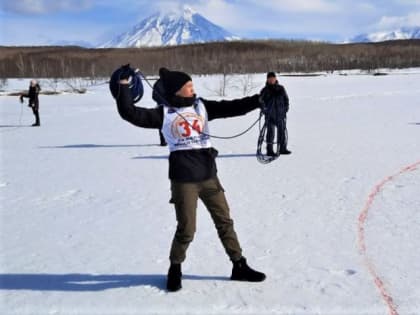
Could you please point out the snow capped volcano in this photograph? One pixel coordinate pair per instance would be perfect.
(174, 28)
(402, 33)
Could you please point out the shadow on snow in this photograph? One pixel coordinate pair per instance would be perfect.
(14, 126)
(145, 157)
(87, 282)
(95, 146)
(165, 157)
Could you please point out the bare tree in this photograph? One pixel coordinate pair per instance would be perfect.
(246, 84)
(223, 84)
(32, 67)
(226, 80)
(3, 83)
(51, 83)
(20, 64)
(64, 69)
(76, 85)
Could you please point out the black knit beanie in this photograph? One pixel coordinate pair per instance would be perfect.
(173, 81)
(271, 75)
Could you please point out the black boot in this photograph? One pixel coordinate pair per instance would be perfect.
(242, 272)
(270, 151)
(174, 278)
(285, 151)
(37, 122)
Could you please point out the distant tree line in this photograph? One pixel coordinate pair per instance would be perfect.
(210, 58)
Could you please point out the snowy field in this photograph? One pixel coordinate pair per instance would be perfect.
(86, 225)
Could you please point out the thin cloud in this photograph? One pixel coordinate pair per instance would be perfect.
(392, 22)
(408, 2)
(263, 17)
(44, 31)
(303, 6)
(222, 13)
(39, 7)
(365, 7)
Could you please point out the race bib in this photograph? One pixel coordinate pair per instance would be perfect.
(186, 128)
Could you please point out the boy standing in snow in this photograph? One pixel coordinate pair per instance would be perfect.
(276, 103)
(33, 93)
(183, 119)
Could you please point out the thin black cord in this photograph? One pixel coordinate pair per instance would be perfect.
(19, 124)
(203, 133)
(20, 116)
(262, 158)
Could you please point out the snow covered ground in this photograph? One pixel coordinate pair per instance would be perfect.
(86, 224)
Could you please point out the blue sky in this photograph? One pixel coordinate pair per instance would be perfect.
(35, 22)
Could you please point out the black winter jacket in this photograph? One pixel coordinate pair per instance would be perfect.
(33, 92)
(187, 165)
(276, 94)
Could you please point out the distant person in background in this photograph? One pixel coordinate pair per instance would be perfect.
(276, 104)
(33, 93)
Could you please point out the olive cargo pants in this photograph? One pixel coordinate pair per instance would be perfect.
(184, 197)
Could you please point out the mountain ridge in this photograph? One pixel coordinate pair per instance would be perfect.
(380, 36)
(184, 26)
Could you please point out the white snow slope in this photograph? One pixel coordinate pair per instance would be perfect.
(182, 26)
(401, 33)
(86, 225)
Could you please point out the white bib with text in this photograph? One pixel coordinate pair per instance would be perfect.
(183, 127)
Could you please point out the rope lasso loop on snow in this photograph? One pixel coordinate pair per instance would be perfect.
(277, 124)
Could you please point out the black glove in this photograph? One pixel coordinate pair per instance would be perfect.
(125, 72)
(262, 103)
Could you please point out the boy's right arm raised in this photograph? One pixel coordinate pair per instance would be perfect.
(138, 116)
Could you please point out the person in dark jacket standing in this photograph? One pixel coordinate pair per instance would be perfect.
(33, 93)
(276, 103)
(183, 119)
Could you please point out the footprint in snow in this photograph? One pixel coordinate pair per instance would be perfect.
(67, 194)
(348, 179)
